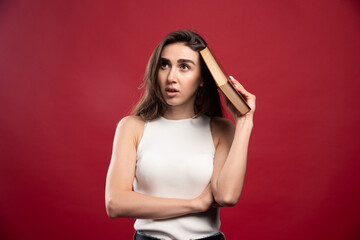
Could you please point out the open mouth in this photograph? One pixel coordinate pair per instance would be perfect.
(171, 90)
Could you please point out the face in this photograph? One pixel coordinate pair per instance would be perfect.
(179, 75)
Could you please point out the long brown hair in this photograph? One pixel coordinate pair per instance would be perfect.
(152, 104)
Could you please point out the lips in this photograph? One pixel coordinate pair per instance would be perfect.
(170, 91)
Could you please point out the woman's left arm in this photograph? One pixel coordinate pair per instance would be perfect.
(231, 151)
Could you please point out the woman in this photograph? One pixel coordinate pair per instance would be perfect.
(182, 158)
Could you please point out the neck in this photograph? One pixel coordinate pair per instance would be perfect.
(173, 113)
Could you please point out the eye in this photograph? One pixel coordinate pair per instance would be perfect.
(184, 67)
(164, 65)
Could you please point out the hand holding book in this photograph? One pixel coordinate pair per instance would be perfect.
(241, 101)
(249, 98)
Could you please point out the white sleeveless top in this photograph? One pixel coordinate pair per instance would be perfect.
(175, 160)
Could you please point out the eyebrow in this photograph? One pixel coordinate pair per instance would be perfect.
(179, 61)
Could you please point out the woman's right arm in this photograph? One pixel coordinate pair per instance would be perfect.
(121, 201)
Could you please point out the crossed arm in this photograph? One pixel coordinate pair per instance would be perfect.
(231, 143)
(120, 200)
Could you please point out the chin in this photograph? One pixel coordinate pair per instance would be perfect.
(172, 102)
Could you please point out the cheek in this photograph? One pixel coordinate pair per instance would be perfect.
(195, 81)
(160, 79)
(193, 85)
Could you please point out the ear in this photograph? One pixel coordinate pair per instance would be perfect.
(202, 82)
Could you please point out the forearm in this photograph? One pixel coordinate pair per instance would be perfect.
(229, 182)
(129, 204)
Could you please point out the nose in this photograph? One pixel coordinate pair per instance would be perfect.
(171, 78)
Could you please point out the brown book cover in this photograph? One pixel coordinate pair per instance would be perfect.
(226, 86)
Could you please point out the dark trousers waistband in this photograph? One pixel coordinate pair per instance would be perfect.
(143, 236)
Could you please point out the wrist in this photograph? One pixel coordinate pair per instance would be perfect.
(244, 121)
(197, 205)
(194, 205)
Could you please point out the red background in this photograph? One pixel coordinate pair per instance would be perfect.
(70, 70)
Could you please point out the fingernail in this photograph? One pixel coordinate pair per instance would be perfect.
(231, 77)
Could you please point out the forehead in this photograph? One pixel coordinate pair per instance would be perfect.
(176, 51)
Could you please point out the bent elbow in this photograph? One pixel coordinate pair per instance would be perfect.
(112, 209)
(117, 205)
(227, 200)
(111, 214)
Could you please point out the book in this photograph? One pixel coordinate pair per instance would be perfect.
(223, 83)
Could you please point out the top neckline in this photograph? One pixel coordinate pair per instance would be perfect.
(179, 120)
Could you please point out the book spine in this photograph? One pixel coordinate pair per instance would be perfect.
(215, 69)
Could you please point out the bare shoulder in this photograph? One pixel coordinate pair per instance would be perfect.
(222, 125)
(131, 122)
(222, 130)
(131, 127)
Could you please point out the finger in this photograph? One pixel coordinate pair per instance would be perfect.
(250, 98)
(239, 86)
(236, 82)
(233, 79)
